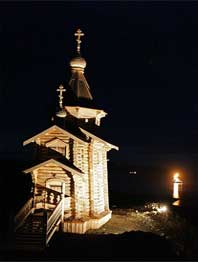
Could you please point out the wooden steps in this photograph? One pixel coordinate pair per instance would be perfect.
(31, 234)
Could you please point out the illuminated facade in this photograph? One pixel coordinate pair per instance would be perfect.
(70, 170)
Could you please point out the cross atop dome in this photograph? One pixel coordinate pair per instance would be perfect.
(61, 90)
(78, 33)
(62, 112)
(82, 107)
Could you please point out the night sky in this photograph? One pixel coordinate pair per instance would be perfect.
(142, 68)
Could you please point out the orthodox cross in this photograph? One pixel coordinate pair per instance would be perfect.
(78, 33)
(61, 90)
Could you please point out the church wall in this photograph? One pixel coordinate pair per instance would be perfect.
(98, 177)
(80, 160)
(105, 179)
(79, 191)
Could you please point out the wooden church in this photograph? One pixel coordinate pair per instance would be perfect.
(69, 172)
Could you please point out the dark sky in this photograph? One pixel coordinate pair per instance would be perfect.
(142, 67)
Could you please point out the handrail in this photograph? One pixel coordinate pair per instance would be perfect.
(38, 186)
(53, 220)
(46, 195)
(23, 213)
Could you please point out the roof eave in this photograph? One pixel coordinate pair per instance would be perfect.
(98, 138)
(70, 169)
(32, 139)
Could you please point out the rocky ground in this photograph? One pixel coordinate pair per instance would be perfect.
(182, 235)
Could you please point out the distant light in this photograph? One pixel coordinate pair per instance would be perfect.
(158, 208)
(177, 183)
(162, 209)
(132, 172)
(176, 177)
(177, 203)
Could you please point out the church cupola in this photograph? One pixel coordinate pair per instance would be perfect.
(83, 107)
(78, 64)
(78, 82)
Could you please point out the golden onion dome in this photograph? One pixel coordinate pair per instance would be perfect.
(78, 62)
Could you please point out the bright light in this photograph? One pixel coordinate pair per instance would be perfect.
(176, 185)
(176, 177)
(132, 172)
(177, 203)
(162, 209)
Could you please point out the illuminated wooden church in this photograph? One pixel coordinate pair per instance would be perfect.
(70, 169)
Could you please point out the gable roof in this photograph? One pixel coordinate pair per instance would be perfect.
(57, 162)
(32, 139)
(99, 139)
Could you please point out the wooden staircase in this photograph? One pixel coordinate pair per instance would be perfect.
(31, 234)
(34, 227)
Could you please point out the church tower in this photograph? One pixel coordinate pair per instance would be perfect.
(82, 107)
(70, 174)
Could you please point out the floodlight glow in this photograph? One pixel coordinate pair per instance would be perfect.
(176, 185)
(163, 209)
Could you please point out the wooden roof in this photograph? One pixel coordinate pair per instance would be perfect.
(99, 139)
(32, 139)
(79, 85)
(70, 168)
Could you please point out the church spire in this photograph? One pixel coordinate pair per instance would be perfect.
(81, 105)
(78, 82)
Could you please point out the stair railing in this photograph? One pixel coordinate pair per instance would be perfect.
(46, 195)
(23, 213)
(54, 220)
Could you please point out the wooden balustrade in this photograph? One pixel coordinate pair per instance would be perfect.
(46, 195)
(23, 213)
(48, 224)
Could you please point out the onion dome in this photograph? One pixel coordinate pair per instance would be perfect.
(62, 113)
(78, 63)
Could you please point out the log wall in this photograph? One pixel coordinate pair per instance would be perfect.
(98, 183)
(81, 160)
(89, 193)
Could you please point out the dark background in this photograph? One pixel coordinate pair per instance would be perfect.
(142, 67)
